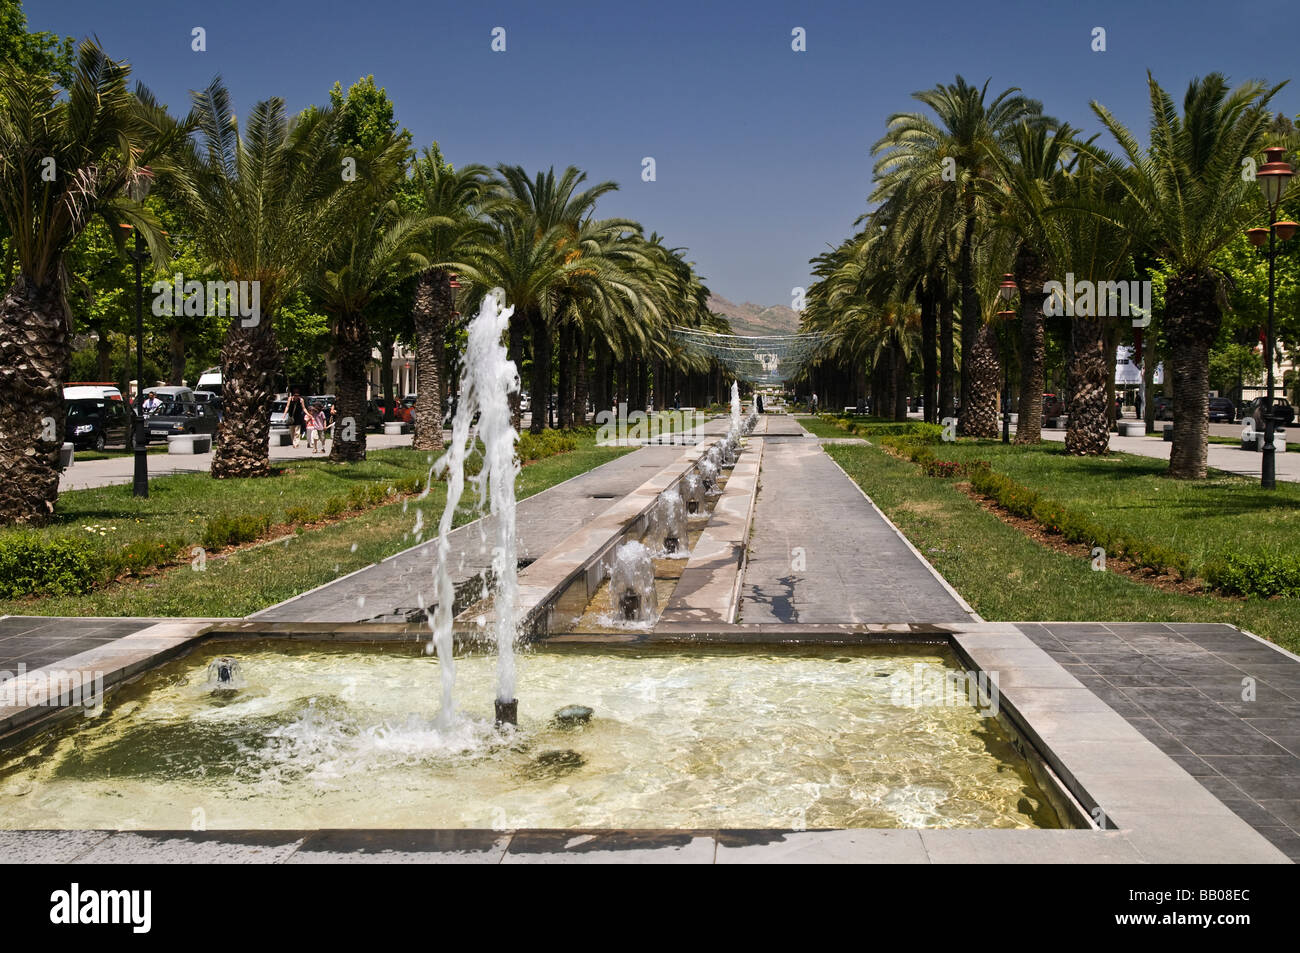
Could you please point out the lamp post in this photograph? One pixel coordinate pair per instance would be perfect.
(1272, 178)
(138, 190)
(1006, 291)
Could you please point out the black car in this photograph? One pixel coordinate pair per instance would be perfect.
(1164, 409)
(94, 423)
(1222, 409)
(1283, 412)
(181, 417)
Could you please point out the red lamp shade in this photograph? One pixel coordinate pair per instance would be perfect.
(1274, 175)
(1007, 290)
(1006, 315)
(1285, 230)
(1258, 236)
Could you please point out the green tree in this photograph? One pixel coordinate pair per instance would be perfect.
(66, 157)
(1194, 201)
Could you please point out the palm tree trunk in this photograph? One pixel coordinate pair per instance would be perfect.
(929, 370)
(515, 352)
(581, 383)
(1192, 321)
(352, 352)
(250, 362)
(981, 416)
(1089, 434)
(34, 355)
(970, 321)
(600, 394)
(176, 353)
(434, 300)
(564, 395)
(947, 361)
(1031, 276)
(541, 386)
(900, 383)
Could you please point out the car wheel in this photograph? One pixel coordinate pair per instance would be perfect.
(99, 442)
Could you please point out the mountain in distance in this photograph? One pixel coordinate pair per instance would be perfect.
(749, 318)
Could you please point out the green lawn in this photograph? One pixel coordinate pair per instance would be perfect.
(819, 427)
(1006, 575)
(253, 578)
(1201, 518)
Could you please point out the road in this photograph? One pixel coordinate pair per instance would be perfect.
(120, 469)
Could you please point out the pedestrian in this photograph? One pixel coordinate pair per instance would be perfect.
(814, 402)
(677, 402)
(297, 411)
(316, 429)
(758, 402)
(151, 403)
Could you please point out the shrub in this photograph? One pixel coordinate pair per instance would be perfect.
(1256, 575)
(30, 563)
(141, 555)
(301, 514)
(222, 531)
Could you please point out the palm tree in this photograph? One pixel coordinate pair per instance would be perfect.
(939, 165)
(377, 249)
(455, 201)
(539, 221)
(1090, 232)
(1193, 200)
(1028, 170)
(66, 156)
(264, 206)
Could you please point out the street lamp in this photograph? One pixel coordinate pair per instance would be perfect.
(1272, 178)
(1006, 291)
(138, 190)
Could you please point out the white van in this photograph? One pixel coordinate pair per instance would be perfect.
(91, 392)
(210, 380)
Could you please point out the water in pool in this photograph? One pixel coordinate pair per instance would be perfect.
(336, 736)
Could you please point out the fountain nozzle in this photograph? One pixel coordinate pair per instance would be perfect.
(630, 603)
(507, 712)
(670, 544)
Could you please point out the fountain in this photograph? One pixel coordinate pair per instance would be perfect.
(224, 674)
(668, 521)
(632, 593)
(694, 490)
(735, 406)
(708, 475)
(488, 377)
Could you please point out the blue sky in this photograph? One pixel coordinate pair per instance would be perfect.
(762, 154)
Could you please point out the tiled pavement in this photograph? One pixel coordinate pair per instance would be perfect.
(1187, 688)
(34, 641)
(820, 552)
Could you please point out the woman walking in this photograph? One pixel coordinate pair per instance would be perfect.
(297, 411)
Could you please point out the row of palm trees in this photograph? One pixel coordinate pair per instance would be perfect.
(267, 202)
(977, 187)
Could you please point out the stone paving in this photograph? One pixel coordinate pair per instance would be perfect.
(821, 552)
(1182, 686)
(36, 641)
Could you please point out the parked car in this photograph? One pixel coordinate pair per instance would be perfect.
(210, 380)
(377, 416)
(94, 422)
(280, 413)
(180, 417)
(1222, 409)
(1164, 409)
(1283, 412)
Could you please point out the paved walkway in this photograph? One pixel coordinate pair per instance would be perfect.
(1223, 705)
(120, 469)
(1231, 459)
(36, 641)
(820, 552)
(391, 590)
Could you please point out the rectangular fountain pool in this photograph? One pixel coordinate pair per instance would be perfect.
(341, 736)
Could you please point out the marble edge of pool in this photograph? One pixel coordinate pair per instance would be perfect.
(1145, 807)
